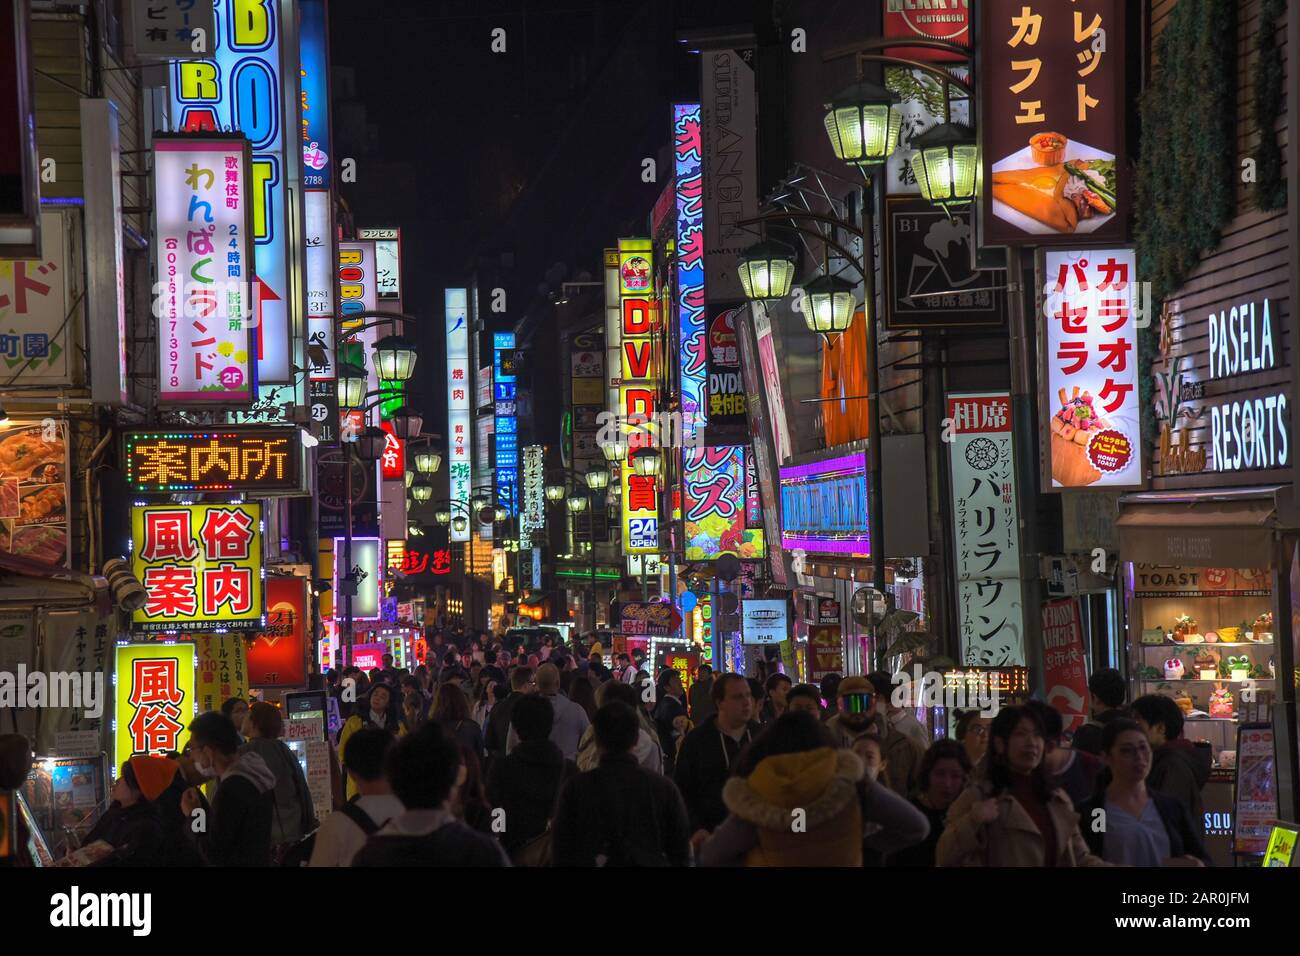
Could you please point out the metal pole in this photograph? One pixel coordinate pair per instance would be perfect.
(591, 535)
(875, 519)
(347, 551)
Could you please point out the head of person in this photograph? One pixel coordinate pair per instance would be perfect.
(670, 682)
(1126, 751)
(264, 721)
(412, 706)
(532, 718)
(424, 768)
(213, 743)
(388, 661)
(548, 679)
(868, 747)
(830, 686)
(793, 732)
(778, 688)
(1053, 724)
(380, 699)
(143, 779)
(1160, 718)
(972, 733)
(616, 728)
(805, 697)
(376, 675)
(856, 702)
(409, 683)
(617, 690)
(522, 680)
(943, 773)
(756, 691)
(363, 759)
(733, 700)
(882, 686)
(1016, 748)
(450, 703)
(638, 657)
(704, 672)
(236, 708)
(1106, 690)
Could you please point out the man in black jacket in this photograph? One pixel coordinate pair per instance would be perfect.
(670, 716)
(1179, 768)
(238, 830)
(526, 782)
(710, 750)
(424, 769)
(1106, 694)
(620, 814)
(497, 730)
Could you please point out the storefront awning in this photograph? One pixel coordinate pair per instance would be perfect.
(1199, 533)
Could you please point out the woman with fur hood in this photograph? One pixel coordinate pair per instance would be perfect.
(796, 799)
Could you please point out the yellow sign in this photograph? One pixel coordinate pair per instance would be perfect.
(201, 566)
(223, 670)
(154, 700)
(638, 394)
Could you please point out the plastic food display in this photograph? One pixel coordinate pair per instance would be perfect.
(1173, 669)
(1221, 704)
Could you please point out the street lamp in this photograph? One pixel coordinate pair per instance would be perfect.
(395, 357)
(427, 461)
(766, 270)
(460, 524)
(598, 479)
(500, 514)
(615, 450)
(352, 385)
(863, 123)
(555, 492)
(944, 164)
(646, 462)
(421, 491)
(828, 305)
(371, 444)
(406, 422)
(577, 503)
(442, 516)
(409, 477)
(478, 502)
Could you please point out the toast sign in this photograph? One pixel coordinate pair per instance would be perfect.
(1052, 121)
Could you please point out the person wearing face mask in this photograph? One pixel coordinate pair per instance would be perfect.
(238, 831)
(1012, 815)
(375, 711)
(794, 771)
(857, 717)
(945, 770)
(1143, 827)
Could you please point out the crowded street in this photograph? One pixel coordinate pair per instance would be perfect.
(692, 434)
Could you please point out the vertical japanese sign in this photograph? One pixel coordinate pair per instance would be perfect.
(201, 566)
(223, 670)
(986, 530)
(532, 517)
(1091, 400)
(34, 492)
(392, 463)
(1052, 121)
(1064, 664)
(726, 390)
(689, 186)
(165, 29)
(388, 262)
(460, 461)
(505, 428)
(33, 307)
(322, 376)
(155, 699)
(242, 89)
(313, 70)
(356, 275)
(278, 655)
(101, 174)
(729, 138)
(203, 266)
(637, 393)
(713, 502)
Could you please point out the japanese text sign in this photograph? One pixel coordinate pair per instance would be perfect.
(689, 188)
(460, 464)
(313, 70)
(242, 89)
(201, 566)
(714, 502)
(986, 529)
(203, 259)
(34, 309)
(262, 460)
(223, 670)
(167, 29)
(1064, 661)
(1052, 121)
(532, 516)
(1091, 358)
(155, 699)
(278, 655)
(648, 617)
(638, 394)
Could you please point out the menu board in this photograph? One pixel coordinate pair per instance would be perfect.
(34, 492)
(1256, 795)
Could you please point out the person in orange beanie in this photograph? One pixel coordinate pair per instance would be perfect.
(132, 825)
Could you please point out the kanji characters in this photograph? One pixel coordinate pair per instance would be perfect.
(167, 536)
(171, 592)
(226, 533)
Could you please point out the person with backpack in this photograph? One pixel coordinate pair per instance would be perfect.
(239, 825)
(1106, 693)
(525, 783)
(345, 831)
(294, 816)
(620, 814)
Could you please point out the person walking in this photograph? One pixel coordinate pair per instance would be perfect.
(1012, 815)
(775, 688)
(648, 752)
(670, 716)
(294, 816)
(709, 753)
(345, 831)
(525, 783)
(1106, 693)
(375, 710)
(451, 709)
(570, 719)
(620, 814)
(700, 696)
(856, 716)
(1179, 768)
(239, 824)
(944, 773)
(496, 734)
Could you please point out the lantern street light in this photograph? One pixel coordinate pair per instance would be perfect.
(371, 444)
(442, 516)
(460, 524)
(944, 165)
(352, 385)
(427, 461)
(500, 514)
(406, 422)
(828, 305)
(646, 462)
(597, 479)
(863, 123)
(409, 477)
(577, 503)
(614, 450)
(555, 492)
(395, 357)
(766, 270)
(421, 491)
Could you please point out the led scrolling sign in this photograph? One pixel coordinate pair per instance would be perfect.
(261, 459)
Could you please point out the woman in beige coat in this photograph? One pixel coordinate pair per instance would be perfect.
(1013, 816)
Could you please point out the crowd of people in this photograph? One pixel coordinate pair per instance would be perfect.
(485, 756)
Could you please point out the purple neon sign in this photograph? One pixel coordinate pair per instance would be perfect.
(825, 507)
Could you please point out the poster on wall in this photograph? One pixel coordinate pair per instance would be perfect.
(1064, 661)
(278, 654)
(222, 669)
(825, 651)
(34, 302)
(1052, 118)
(764, 621)
(155, 698)
(1256, 795)
(986, 530)
(34, 492)
(1091, 369)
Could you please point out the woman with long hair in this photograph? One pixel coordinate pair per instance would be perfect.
(944, 773)
(469, 802)
(582, 693)
(1143, 827)
(451, 710)
(1012, 815)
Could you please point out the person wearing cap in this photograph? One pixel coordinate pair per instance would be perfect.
(856, 717)
(132, 824)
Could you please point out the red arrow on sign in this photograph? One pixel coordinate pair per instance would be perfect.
(264, 293)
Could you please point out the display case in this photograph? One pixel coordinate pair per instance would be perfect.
(1205, 637)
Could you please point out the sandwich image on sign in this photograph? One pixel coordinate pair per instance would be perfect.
(1082, 439)
(1055, 186)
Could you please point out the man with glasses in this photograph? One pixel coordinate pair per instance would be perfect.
(856, 717)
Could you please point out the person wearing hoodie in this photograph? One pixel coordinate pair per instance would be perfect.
(647, 750)
(526, 782)
(710, 751)
(295, 816)
(794, 771)
(1179, 768)
(133, 825)
(239, 825)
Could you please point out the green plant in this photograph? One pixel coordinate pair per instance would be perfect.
(1270, 186)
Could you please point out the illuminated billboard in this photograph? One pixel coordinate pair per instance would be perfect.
(638, 395)
(265, 460)
(154, 699)
(825, 507)
(460, 464)
(505, 427)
